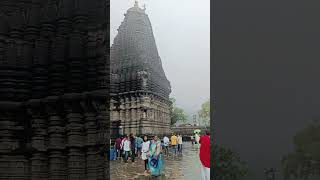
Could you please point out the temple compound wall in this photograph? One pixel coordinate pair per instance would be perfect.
(54, 87)
(139, 88)
(141, 113)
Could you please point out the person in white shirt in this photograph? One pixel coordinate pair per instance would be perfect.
(166, 142)
(192, 140)
(145, 152)
(121, 146)
(179, 139)
(197, 138)
(126, 148)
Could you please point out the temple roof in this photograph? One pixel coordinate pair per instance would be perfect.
(136, 8)
(134, 48)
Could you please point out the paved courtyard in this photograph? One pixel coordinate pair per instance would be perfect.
(185, 166)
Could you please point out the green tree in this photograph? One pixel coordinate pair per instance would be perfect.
(304, 161)
(204, 113)
(227, 164)
(176, 113)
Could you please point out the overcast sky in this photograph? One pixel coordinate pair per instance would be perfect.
(182, 32)
(266, 77)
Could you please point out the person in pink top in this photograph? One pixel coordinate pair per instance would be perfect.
(205, 155)
(118, 146)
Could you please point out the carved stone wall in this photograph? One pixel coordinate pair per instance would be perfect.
(54, 87)
(139, 88)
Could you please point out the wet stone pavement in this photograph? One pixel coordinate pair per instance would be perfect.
(184, 167)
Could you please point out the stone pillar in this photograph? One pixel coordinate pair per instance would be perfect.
(139, 115)
(103, 127)
(76, 59)
(128, 119)
(76, 164)
(134, 123)
(75, 137)
(39, 124)
(59, 46)
(57, 140)
(122, 114)
(112, 110)
(90, 141)
(91, 61)
(92, 156)
(8, 143)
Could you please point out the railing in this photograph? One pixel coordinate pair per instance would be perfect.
(188, 130)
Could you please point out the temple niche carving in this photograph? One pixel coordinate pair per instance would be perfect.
(54, 87)
(139, 88)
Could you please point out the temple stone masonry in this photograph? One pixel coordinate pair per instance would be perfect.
(139, 88)
(54, 88)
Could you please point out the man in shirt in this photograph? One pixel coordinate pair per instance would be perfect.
(126, 148)
(139, 142)
(166, 142)
(174, 143)
(205, 155)
(179, 139)
(132, 146)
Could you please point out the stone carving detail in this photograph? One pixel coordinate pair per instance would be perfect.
(143, 75)
(53, 89)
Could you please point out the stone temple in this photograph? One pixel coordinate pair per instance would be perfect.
(139, 88)
(54, 88)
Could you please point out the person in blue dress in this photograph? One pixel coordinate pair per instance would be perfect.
(155, 159)
(139, 142)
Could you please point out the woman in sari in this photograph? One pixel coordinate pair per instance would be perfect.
(155, 158)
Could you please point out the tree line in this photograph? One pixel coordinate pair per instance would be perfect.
(178, 114)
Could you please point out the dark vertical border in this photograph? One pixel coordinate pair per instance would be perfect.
(212, 95)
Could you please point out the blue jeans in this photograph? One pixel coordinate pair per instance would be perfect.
(180, 148)
(126, 155)
(174, 149)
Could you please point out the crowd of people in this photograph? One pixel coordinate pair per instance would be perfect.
(153, 149)
(150, 151)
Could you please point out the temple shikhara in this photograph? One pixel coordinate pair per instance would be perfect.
(139, 88)
(54, 88)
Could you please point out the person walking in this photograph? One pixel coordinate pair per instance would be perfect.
(145, 152)
(132, 146)
(118, 147)
(121, 145)
(166, 142)
(205, 155)
(126, 148)
(139, 142)
(192, 140)
(179, 139)
(155, 160)
(197, 139)
(174, 143)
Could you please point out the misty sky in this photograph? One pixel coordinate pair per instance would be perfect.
(182, 32)
(266, 76)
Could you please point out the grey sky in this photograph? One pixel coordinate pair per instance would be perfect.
(182, 32)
